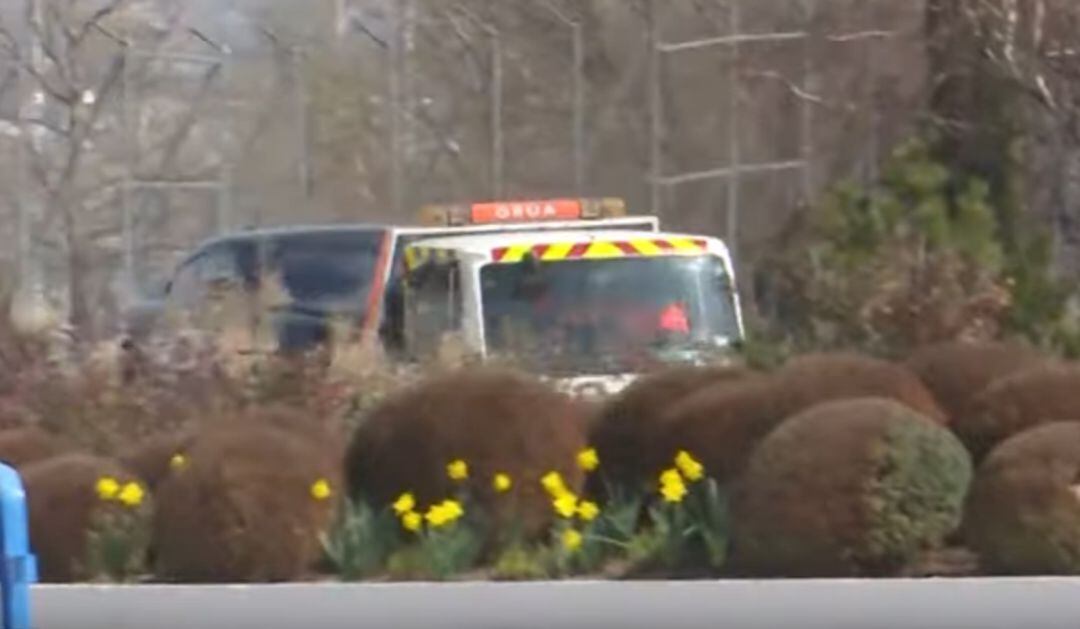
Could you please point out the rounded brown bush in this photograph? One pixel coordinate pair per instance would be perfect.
(850, 487)
(301, 421)
(720, 425)
(62, 501)
(151, 459)
(630, 428)
(496, 421)
(1023, 514)
(815, 378)
(11, 416)
(1012, 404)
(242, 510)
(955, 372)
(29, 444)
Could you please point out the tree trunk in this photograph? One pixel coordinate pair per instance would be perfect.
(79, 315)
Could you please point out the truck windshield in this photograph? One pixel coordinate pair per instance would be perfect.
(607, 316)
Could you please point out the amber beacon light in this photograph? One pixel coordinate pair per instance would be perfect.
(523, 211)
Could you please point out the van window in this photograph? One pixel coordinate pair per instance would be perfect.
(329, 272)
(226, 265)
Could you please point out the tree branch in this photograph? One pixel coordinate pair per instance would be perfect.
(76, 38)
(37, 122)
(187, 122)
(43, 37)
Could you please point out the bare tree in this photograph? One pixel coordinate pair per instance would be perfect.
(125, 102)
(72, 62)
(1006, 94)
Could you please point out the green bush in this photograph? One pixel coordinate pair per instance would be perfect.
(926, 254)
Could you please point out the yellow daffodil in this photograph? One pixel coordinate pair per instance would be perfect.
(404, 504)
(553, 483)
(588, 460)
(672, 487)
(412, 521)
(321, 490)
(107, 488)
(690, 467)
(502, 483)
(572, 539)
(446, 512)
(453, 509)
(436, 516)
(566, 505)
(131, 495)
(673, 492)
(457, 470)
(671, 477)
(588, 511)
(178, 461)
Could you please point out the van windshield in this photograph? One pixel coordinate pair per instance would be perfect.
(607, 316)
(325, 272)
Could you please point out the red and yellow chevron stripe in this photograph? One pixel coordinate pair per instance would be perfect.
(600, 249)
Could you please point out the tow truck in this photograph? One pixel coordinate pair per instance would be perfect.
(589, 309)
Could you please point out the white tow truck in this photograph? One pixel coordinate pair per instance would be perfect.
(589, 308)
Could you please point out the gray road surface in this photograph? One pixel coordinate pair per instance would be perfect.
(1053, 603)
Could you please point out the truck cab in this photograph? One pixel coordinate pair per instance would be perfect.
(587, 309)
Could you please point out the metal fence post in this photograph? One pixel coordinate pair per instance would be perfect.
(496, 120)
(19, 564)
(735, 41)
(577, 35)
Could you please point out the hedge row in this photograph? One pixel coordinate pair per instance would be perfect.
(835, 464)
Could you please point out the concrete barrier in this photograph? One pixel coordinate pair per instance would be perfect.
(1052, 603)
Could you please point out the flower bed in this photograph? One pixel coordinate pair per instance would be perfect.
(194, 466)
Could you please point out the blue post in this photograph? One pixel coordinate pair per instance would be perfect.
(19, 567)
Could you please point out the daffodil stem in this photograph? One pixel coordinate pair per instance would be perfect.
(610, 540)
